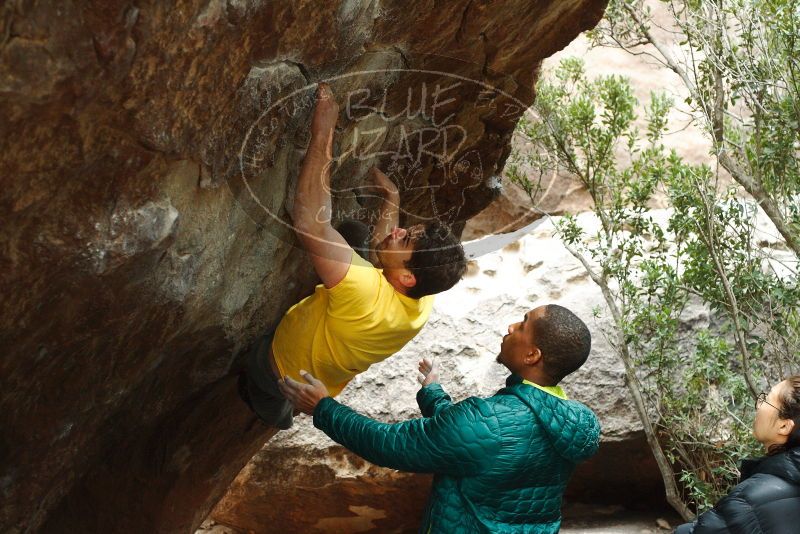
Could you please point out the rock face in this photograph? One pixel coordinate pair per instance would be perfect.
(147, 151)
(464, 335)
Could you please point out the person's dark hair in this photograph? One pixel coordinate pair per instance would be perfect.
(789, 409)
(357, 236)
(564, 340)
(438, 261)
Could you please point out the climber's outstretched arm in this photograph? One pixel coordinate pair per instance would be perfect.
(388, 217)
(311, 212)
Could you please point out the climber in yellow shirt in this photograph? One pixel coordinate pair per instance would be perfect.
(364, 311)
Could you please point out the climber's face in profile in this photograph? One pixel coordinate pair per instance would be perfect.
(393, 254)
(397, 247)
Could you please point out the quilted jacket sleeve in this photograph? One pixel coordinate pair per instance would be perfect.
(738, 512)
(711, 521)
(431, 399)
(461, 440)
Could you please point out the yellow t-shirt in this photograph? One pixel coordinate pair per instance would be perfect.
(338, 333)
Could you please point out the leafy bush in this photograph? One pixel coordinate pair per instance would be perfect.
(693, 386)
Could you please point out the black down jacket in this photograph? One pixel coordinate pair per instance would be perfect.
(766, 501)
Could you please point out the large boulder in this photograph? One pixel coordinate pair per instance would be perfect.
(324, 488)
(147, 151)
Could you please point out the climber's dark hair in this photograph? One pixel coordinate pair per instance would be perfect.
(789, 409)
(438, 261)
(564, 340)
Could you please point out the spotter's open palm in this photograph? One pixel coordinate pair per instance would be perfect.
(428, 372)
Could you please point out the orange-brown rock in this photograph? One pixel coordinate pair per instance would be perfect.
(146, 152)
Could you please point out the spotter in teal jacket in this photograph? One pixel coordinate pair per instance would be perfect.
(501, 463)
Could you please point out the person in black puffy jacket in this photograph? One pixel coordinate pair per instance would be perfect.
(767, 498)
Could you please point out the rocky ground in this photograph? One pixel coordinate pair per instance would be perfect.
(582, 518)
(578, 519)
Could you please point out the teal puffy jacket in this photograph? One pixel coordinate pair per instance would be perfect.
(501, 463)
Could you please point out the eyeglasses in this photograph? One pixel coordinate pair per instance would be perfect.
(761, 399)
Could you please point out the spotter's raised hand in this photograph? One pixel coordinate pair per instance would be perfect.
(428, 372)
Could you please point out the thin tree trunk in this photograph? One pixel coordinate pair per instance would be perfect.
(731, 302)
(664, 466)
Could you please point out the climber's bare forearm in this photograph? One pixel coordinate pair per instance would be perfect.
(312, 201)
(388, 217)
(311, 215)
(311, 212)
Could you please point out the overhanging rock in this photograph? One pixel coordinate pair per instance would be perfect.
(148, 152)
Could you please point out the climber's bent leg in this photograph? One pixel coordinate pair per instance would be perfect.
(259, 387)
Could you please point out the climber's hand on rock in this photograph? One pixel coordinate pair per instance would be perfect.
(381, 183)
(428, 373)
(304, 397)
(378, 185)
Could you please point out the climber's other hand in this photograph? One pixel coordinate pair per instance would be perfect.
(304, 397)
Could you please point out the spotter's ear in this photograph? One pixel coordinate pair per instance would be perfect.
(533, 357)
